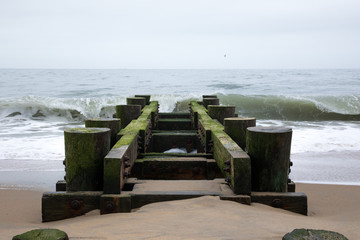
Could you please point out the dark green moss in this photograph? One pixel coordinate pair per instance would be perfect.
(42, 234)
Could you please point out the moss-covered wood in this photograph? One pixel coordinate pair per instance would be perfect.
(60, 205)
(236, 129)
(42, 234)
(311, 234)
(210, 101)
(234, 163)
(85, 149)
(221, 112)
(136, 101)
(269, 150)
(114, 124)
(147, 98)
(231, 159)
(127, 113)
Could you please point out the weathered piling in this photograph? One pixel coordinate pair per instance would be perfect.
(209, 96)
(114, 124)
(221, 112)
(210, 101)
(136, 101)
(127, 113)
(269, 150)
(85, 149)
(147, 98)
(236, 129)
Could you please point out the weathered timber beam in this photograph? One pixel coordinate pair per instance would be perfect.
(179, 168)
(115, 203)
(134, 139)
(234, 163)
(61, 205)
(118, 163)
(294, 202)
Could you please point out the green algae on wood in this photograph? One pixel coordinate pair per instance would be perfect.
(234, 163)
(85, 149)
(310, 234)
(114, 124)
(127, 113)
(269, 149)
(42, 234)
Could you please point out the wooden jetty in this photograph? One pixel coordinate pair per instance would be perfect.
(122, 163)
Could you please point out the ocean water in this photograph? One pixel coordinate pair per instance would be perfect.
(321, 106)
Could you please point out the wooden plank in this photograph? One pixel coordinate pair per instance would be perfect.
(60, 205)
(174, 168)
(166, 140)
(294, 202)
(174, 124)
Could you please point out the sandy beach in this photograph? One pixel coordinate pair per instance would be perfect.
(331, 207)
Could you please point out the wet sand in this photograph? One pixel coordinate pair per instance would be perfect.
(331, 207)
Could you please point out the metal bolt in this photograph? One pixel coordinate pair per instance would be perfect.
(227, 169)
(109, 206)
(227, 162)
(75, 204)
(228, 180)
(276, 203)
(126, 174)
(127, 164)
(291, 163)
(64, 162)
(126, 158)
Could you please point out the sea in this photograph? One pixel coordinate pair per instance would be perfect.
(322, 106)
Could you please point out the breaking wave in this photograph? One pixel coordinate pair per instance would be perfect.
(304, 108)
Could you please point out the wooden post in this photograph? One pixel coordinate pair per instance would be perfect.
(147, 98)
(269, 150)
(127, 113)
(136, 101)
(85, 149)
(210, 101)
(209, 96)
(114, 124)
(236, 129)
(221, 112)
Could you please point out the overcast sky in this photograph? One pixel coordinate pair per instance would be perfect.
(180, 34)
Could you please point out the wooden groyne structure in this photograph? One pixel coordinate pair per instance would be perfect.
(122, 163)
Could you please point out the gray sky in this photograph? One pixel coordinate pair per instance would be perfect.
(179, 34)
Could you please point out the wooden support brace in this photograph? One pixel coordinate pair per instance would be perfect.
(294, 202)
(60, 205)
